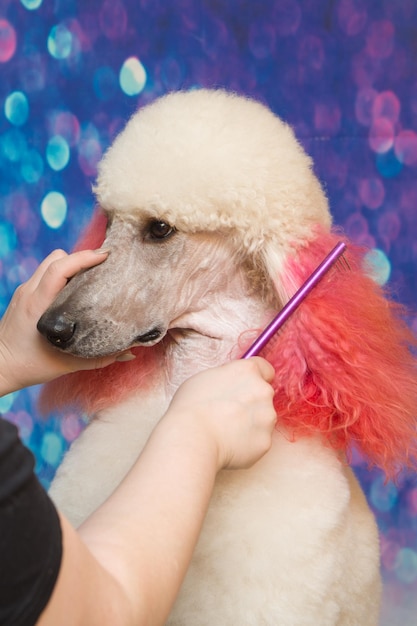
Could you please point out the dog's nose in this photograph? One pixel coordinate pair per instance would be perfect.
(58, 329)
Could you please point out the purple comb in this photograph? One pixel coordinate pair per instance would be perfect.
(295, 301)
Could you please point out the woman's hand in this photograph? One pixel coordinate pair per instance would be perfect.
(232, 404)
(26, 358)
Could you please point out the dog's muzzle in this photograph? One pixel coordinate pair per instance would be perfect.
(60, 329)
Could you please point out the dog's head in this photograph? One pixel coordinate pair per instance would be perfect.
(211, 161)
(195, 183)
(207, 166)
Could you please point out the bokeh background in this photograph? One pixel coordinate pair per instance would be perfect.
(343, 73)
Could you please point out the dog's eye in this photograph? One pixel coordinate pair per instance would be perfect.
(159, 230)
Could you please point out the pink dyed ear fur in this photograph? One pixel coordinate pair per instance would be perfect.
(344, 366)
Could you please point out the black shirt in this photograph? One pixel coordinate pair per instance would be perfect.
(30, 535)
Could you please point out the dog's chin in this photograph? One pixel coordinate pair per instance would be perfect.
(84, 352)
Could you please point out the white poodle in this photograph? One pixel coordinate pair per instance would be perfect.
(214, 218)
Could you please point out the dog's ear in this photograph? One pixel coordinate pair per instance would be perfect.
(344, 362)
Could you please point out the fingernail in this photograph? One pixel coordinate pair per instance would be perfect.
(126, 356)
(102, 251)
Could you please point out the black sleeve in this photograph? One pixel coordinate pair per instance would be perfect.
(30, 535)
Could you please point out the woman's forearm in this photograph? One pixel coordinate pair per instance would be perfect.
(127, 561)
(166, 496)
(130, 557)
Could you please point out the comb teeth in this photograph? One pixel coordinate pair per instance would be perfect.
(342, 263)
(335, 255)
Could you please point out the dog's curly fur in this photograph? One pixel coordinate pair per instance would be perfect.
(292, 541)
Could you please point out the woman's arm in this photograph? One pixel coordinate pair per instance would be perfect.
(127, 562)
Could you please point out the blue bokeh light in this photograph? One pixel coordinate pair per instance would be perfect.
(378, 266)
(6, 402)
(406, 565)
(16, 108)
(8, 239)
(60, 42)
(383, 496)
(57, 153)
(51, 448)
(31, 5)
(54, 209)
(13, 145)
(132, 76)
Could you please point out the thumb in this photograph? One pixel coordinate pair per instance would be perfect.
(265, 368)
